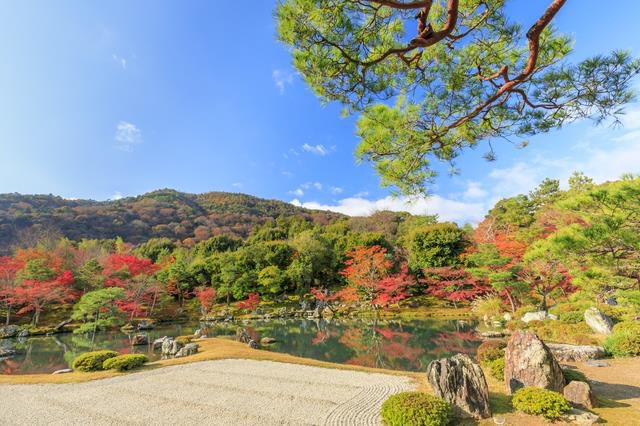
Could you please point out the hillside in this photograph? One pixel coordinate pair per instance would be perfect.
(163, 213)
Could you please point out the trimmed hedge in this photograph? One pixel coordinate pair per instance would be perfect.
(125, 362)
(416, 409)
(540, 402)
(625, 340)
(92, 361)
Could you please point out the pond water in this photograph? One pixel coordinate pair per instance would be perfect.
(393, 344)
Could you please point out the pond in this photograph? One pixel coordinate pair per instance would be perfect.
(393, 344)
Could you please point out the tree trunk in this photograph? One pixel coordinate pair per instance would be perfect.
(513, 305)
(8, 315)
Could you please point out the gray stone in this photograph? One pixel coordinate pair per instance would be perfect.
(581, 418)
(252, 344)
(599, 322)
(491, 334)
(170, 347)
(529, 362)
(187, 350)
(460, 381)
(139, 340)
(6, 352)
(579, 395)
(63, 371)
(8, 331)
(146, 325)
(598, 363)
(267, 340)
(570, 353)
(23, 333)
(507, 317)
(157, 344)
(538, 316)
(242, 335)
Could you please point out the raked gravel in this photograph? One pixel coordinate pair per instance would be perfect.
(226, 392)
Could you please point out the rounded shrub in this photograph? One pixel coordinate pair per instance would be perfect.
(540, 402)
(490, 350)
(625, 341)
(496, 368)
(92, 361)
(184, 339)
(125, 362)
(416, 409)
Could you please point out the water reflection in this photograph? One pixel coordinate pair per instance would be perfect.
(400, 345)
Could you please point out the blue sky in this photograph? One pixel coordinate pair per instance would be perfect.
(107, 99)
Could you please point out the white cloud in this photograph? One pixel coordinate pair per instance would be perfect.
(446, 209)
(120, 61)
(282, 78)
(127, 135)
(299, 192)
(116, 196)
(474, 191)
(237, 185)
(318, 149)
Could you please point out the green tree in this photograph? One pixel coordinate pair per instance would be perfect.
(468, 73)
(97, 309)
(272, 280)
(434, 246)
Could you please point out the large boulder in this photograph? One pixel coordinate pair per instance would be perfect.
(139, 340)
(538, 316)
(146, 325)
(599, 322)
(242, 335)
(8, 331)
(529, 362)
(570, 353)
(187, 350)
(579, 395)
(460, 381)
(7, 351)
(170, 347)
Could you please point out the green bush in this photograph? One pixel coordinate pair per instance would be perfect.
(184, 339)
(490, 350)
(626, 326)
(416, 409)
(574, 375)
(572, 317)
(92, 361)
(540, 402)
(625, 340)
(496, 368)
(125, 362)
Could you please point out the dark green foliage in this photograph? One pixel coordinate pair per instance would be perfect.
(125, 362)
(92, 361)
(434, 246)
(540, 402)
(416, 409)
(625, 340)
(496, 368)
(491, 350)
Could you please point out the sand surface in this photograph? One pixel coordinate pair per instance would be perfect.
(226, 392)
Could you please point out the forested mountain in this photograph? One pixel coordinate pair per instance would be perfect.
(166, 213)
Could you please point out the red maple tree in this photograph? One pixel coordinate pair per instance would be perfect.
(251, 302)
(9, 268)
(454, 284)
(206, 296)
(34, 296)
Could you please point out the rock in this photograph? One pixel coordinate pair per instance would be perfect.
(23, 333)
(538, 316)
(267, 340)
(170, 347)
(581, 418)
(242, 336)
(252, 344)
(579, 395)
(599, 322)
(146, 325)
(6, 352)
(187, 350)
(461, 382)
(507, 317)
(529, 362)
(139, 340)
(491, 334)
(63, 371)
(598, 363)
(157, 344)
(612, 301)
(8, 331)
(569, 353)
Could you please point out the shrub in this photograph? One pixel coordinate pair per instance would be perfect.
(516, 325)
(125, 362)
(540, 402)
(559, 331)
(496, 368)
(92, 361)
(184, 339)
(625, 341)
(489, 306)
(491, 350)
(573, 317)
(626, 326)
(416, 409)
(574, 376)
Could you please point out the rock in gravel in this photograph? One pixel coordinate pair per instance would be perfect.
(529, 362)
(598, 363)
(581, 418)
(139, 340)
(599, 322)
(8, 331)
(188, 350)
(63, 371)
(252, 344)
(242, 335)
(579, 394)
(460, 381)
(538, 316)
(569, 353)
(157, 344)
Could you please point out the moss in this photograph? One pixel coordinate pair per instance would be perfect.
(125, 362)
(540, 402)
(416, 409)
(559, 331)
(92, 361)
(496, 368)
(625, 340)
(571, 375)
